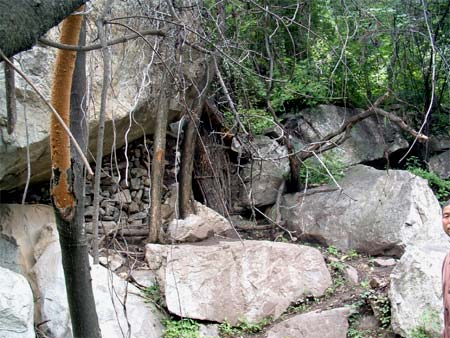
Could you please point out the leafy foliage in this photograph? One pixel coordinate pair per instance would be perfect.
(317, 173)
(153, 294)
(440, 186)
(380, 305)
(256, 120)
(288, 55)
(184, 328)
(243, 327)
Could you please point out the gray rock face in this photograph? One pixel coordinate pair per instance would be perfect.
(16, 306)
(416, 290)
(329, 324)
(109, 292)
(377, 212)
(23, 224)
(9, 254)
(134, 92)
(204, 224)
(263, 178)
(440, 164)
(235, 281)
(369, 138)
(439, 143)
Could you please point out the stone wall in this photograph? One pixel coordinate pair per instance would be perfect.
(125, 190)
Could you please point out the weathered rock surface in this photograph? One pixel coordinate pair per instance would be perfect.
(439, 143)
(416, 290)
(370, 139)
(329, 324)
(209, 331)
(235, 281)
(264, 176)
(133, 93)
(381, 213)
(23, 225)
(440, 164)
(9, 253)
(109, 293)
(16, 306)
(204, 224)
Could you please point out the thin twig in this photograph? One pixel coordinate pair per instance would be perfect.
(25, 190)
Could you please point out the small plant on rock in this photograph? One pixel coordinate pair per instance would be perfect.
(332, 250)
(429, 325)
(243, 327)
(381, 306)
(153, 294)
(184, 328)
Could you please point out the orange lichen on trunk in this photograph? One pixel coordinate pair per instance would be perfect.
(62, 195)
(159, 155)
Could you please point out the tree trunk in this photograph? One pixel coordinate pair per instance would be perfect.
(158, 164)
(187, 165)
(35, 18)
(67, 187)
(190, 139)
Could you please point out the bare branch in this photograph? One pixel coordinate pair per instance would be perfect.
(112, 42)
(101, 126)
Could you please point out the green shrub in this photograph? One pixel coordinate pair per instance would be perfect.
(242, 328)
(315, 172)
(184, 328)
(255, 120)
(153, 294)
(440, 187)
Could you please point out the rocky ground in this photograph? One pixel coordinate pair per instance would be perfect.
(360, 282)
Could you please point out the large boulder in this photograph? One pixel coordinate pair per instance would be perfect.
(234, 281)
(376, 212)
(203, 224)
(21, 227)
(260, 179)
(370, 139)
(133, 96)
(416, 290)
(113, 297)
(330, 324)
(16, 306)
(440, 164)
(439, 143)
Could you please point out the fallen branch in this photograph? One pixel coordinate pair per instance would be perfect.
(343, 133)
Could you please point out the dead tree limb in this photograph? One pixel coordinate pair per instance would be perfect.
(10, 89)
(112, 42)
(338, 136)
(158, 163)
